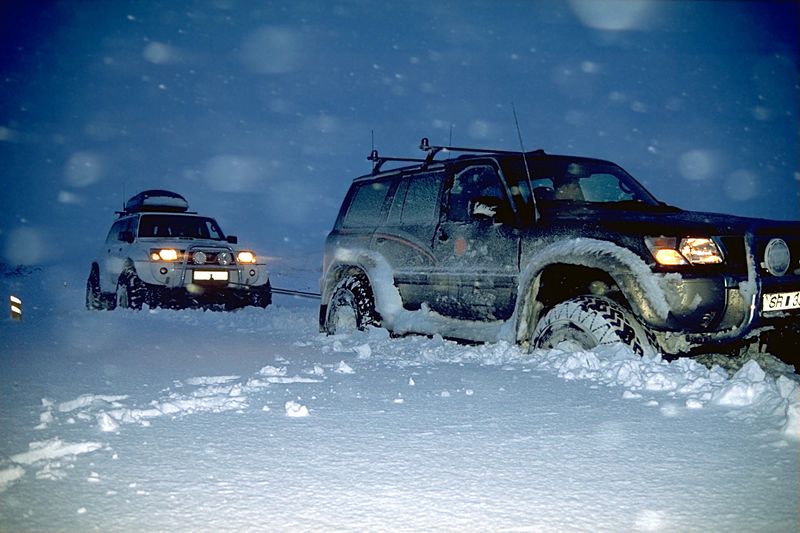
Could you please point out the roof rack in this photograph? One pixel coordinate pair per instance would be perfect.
(433, 150)
(379, 160)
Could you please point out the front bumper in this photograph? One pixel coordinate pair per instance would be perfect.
(200, 277)
(744, 315)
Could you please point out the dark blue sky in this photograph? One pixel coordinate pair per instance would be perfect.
(260, 113)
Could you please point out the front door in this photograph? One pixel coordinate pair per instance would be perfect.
(476, 245)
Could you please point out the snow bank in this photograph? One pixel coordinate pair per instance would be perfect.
(695, 385)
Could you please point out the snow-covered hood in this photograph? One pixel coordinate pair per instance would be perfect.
(666, 220)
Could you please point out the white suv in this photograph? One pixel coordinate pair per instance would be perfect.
(160, 254)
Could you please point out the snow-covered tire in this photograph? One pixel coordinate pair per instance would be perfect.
(95, 299)
(131, 291)
(352, 306)
(589, 322)
(261, 296)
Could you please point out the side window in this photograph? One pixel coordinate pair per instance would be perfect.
(366, 205)
(421, 199)
(604, 188)
(475, 191)
(113, 233)
(118, 227)
(396, 211)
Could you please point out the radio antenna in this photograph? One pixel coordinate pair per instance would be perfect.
(525, 161)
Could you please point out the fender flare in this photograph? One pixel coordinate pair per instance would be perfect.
(639, 285)
(380, 275)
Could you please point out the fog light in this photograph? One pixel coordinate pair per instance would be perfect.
(777, 257)
(163, 271)
(252, 273)
(224, 258)
(199, 258)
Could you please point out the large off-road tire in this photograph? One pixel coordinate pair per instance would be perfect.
(261, 296)
(131, 291)
(589, 322)
(95, 299)
(352, 306)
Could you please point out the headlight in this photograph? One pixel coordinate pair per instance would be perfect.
(246, 257)
(165, 254)
(690, 250)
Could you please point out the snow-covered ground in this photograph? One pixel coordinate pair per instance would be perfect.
(254, 421)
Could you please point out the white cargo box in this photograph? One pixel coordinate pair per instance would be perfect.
(157, 200)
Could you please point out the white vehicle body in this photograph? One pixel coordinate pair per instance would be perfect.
(157, 253)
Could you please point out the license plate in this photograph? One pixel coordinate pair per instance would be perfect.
(208, 275)
(781, 301)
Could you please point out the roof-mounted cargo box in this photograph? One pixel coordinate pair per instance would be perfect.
(157, 200)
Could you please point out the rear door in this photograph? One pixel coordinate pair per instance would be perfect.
(405, 239)
(115, 252)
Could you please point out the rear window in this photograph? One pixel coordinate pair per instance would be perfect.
(365, 208)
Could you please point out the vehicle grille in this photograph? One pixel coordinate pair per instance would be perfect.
(736, 255)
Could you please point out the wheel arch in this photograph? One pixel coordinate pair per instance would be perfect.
(587, 266)
(378, 273)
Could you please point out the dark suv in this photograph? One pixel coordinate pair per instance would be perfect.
(541, 249)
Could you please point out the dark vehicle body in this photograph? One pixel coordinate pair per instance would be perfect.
(537, 249)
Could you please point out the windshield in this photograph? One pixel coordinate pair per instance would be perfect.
(575, 180)
(180, 226)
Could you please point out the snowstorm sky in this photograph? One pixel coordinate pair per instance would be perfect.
(260, 112)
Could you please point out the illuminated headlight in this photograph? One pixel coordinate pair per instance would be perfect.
(246, 257)
(777, 257)
(165, 254)
(668, 251)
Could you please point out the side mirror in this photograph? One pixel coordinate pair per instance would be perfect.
(126, 236)
(232, 239)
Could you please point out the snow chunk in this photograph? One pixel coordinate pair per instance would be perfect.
(270, 370)
(53, 449)
(363, 351)
(745, 388)
(344, 368)
(107, 423)
(295, 410)
(211, 380)
(87, 400)
(9, 475)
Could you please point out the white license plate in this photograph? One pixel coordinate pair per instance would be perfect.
(781, 301)
(208, 275)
